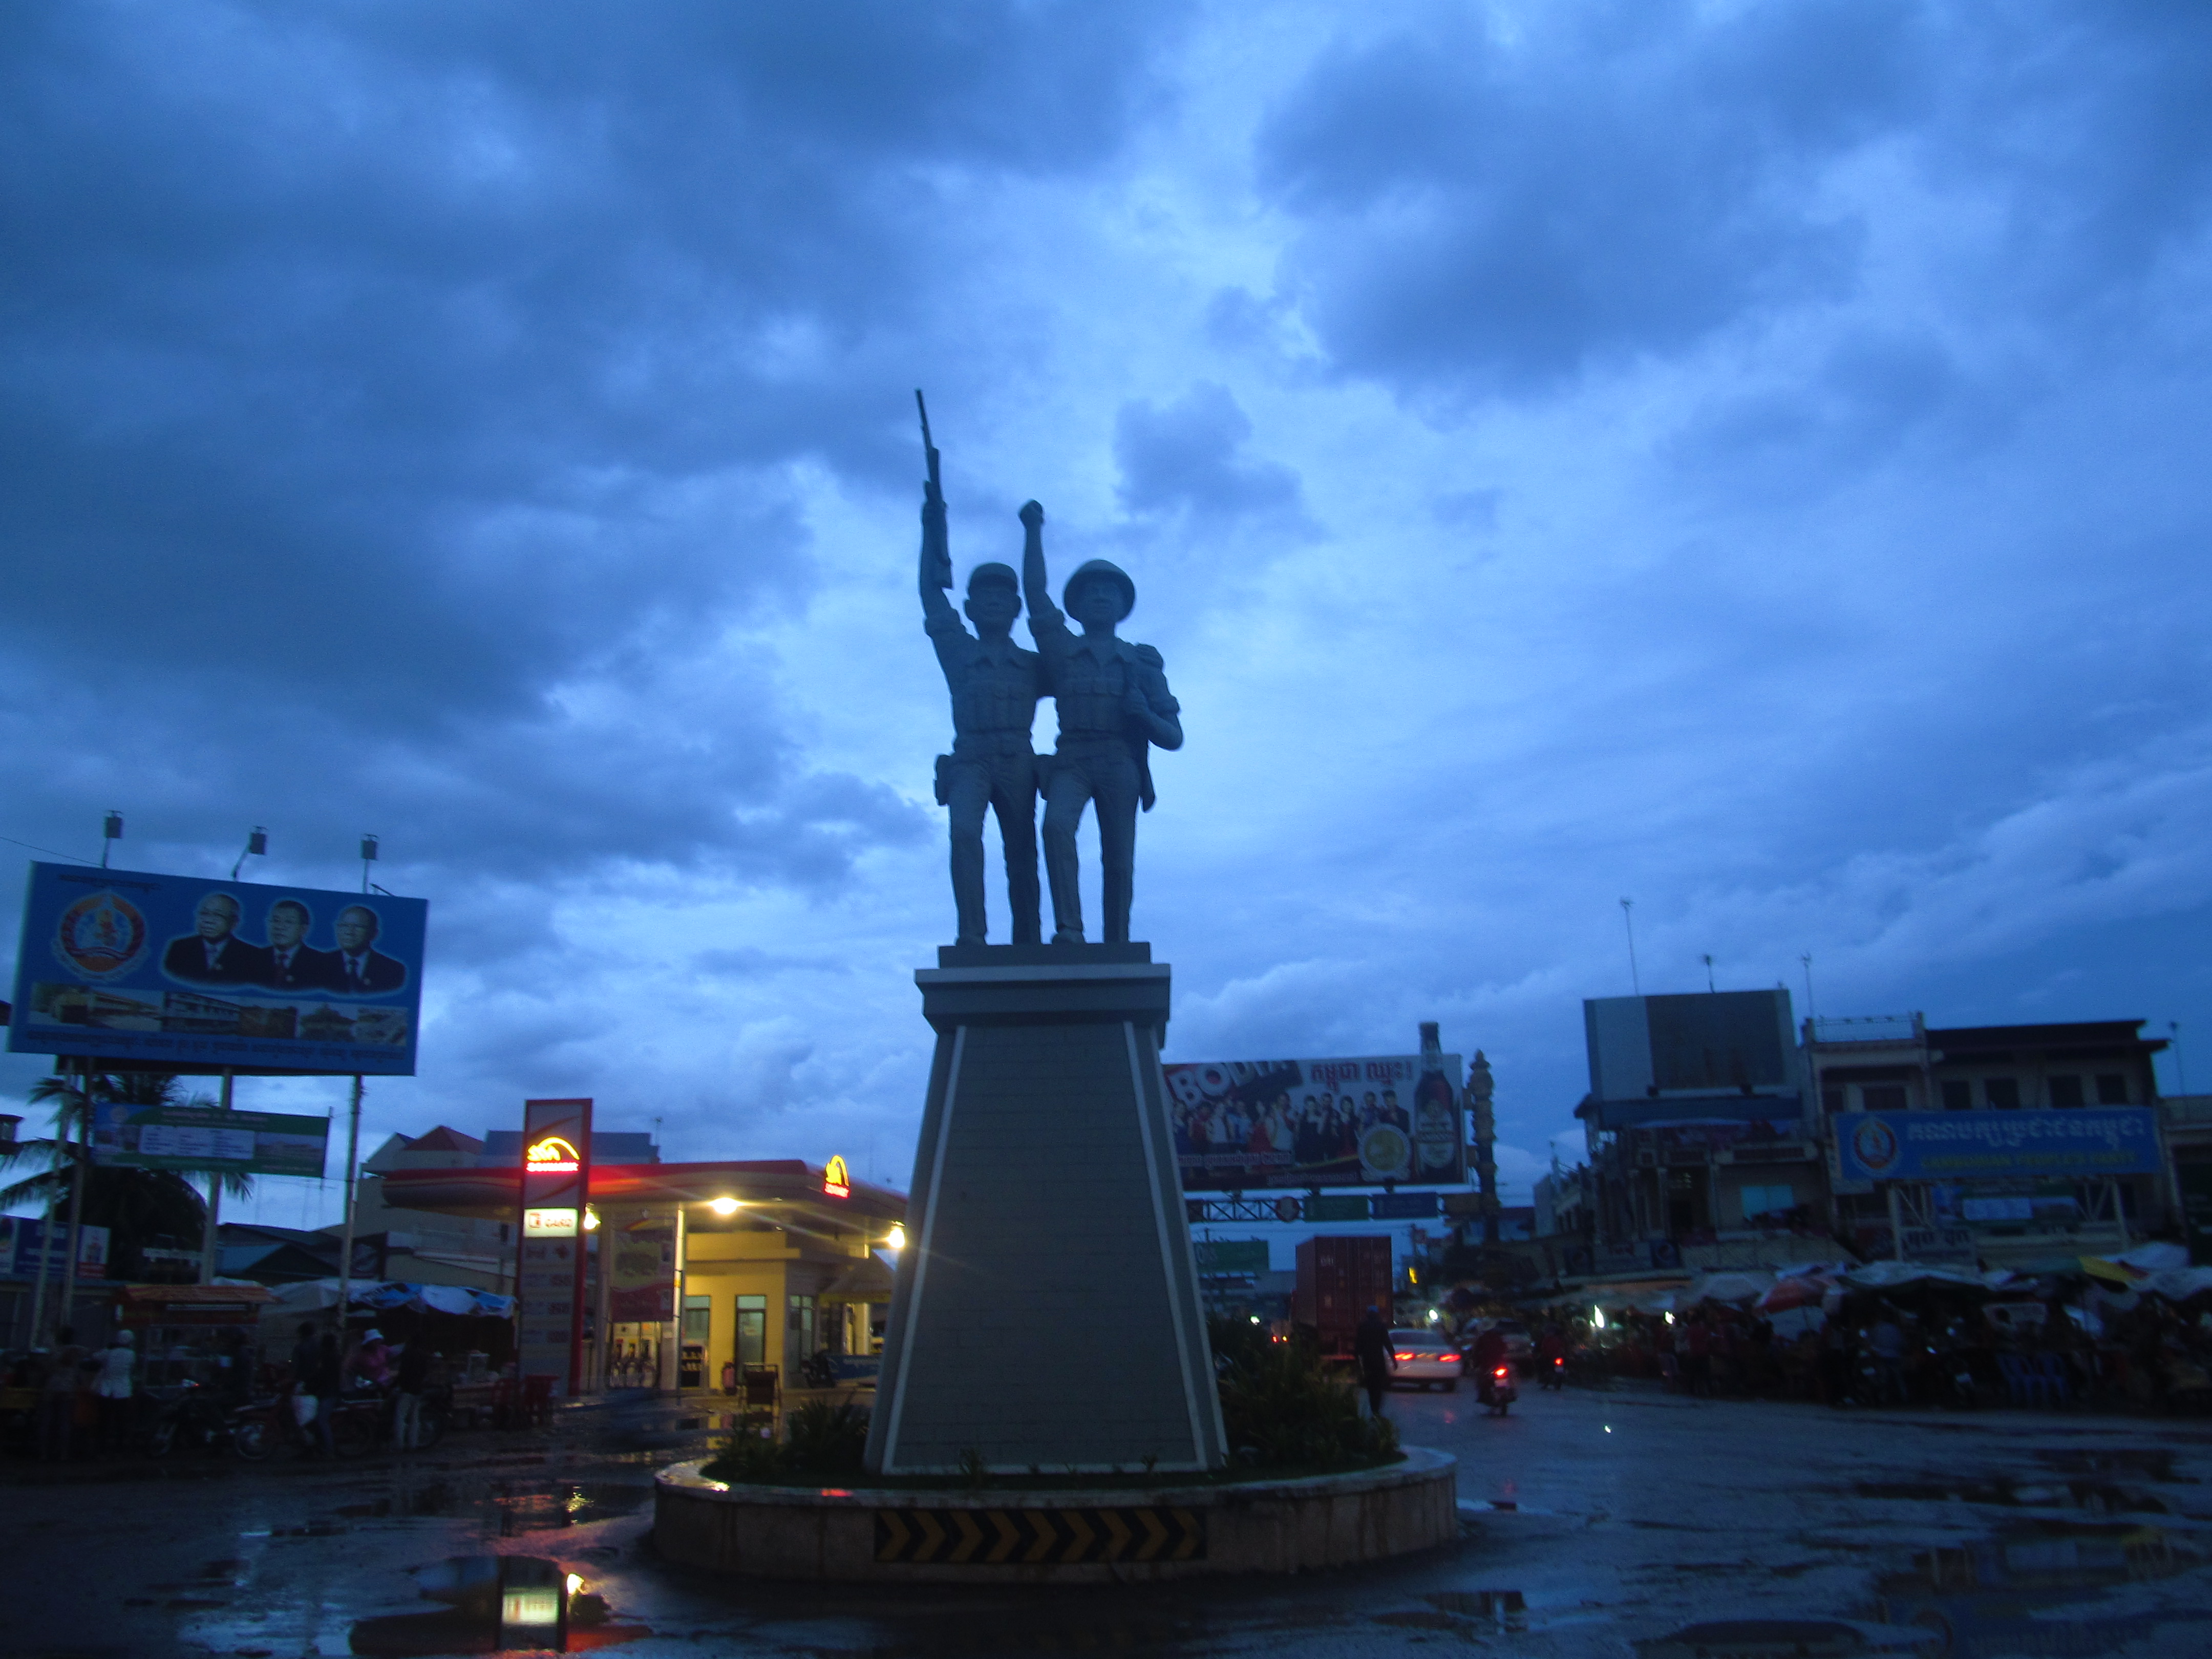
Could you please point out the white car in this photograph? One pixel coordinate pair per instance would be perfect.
(1423, 1358)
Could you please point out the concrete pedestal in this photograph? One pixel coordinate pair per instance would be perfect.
(1046, 1314)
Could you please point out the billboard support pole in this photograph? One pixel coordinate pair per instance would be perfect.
(214, 1204)
(45, 1270)
(345, 1259)
(67, 1313)
(1896, 1225)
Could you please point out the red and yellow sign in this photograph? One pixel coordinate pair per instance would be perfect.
(837, 1180)
(553, 1155)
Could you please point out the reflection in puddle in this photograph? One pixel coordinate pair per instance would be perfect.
(522, 1507)
(1788, 1638)
(494, 1604)
(2098, 1497)
(2053, 1588)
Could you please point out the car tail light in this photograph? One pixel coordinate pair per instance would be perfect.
(1451, 1358)
(1401, 1358)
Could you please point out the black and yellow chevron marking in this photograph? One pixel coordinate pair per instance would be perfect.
(995, 1538)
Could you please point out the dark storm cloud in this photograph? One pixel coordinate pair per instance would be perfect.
(1189, 455)
(1620, 180)
(389, 394)
(1484, 214)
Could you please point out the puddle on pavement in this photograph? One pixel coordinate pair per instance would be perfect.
(1796, 1638)
(521, 1507)
(2053, 1587)
(2152, 1462)
(2088, 1492)
(496, 1604)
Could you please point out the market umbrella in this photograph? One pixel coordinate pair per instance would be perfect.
(1799, 1291)
(1727, 1287)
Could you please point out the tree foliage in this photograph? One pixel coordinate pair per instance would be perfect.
(139, 1207)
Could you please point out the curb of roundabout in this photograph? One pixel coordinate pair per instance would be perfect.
(1062, 1536)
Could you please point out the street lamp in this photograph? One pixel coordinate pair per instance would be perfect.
(896, 1239)
(724, 1207)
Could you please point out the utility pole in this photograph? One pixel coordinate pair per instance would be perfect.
(1628, 921)
(1810, 1010)
(67, 1314)
(1710, 986)
(215, 1203)
(345, 1257)
(111, 831)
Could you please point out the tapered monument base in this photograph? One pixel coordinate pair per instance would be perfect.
(1046, 1314)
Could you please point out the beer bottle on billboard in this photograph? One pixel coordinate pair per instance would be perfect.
(1436, 1111)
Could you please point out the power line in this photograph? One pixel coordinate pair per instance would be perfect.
(33, 847)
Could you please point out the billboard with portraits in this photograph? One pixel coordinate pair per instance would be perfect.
(184, 974)
(1243, 1125)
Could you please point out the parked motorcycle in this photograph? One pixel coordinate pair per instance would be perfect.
(183, 1414)
(1498, 1391)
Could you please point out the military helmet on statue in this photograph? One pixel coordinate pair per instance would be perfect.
(1112, 572)
(993, 576)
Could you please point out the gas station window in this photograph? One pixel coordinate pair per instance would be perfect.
(698, 1315)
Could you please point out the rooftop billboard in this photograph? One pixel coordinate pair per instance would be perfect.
(190, 975)
(1243, 1125)
(1712, 1042)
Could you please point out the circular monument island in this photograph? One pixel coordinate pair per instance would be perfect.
(1113, 1530)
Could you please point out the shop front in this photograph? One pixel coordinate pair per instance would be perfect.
(695, 1275)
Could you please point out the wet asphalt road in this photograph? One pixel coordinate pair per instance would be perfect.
(1591, 1523)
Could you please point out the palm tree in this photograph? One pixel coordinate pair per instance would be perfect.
(137, 1207)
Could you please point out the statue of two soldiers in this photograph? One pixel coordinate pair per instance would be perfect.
(1113, 705)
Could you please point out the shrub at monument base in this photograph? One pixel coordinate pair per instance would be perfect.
(823, 1440)
(1285, 1416)
(1284, 1412)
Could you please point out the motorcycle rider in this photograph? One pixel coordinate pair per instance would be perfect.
(1487, 1355)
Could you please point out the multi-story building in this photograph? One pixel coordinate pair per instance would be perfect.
(1714, 1144)
(1993, 1181)
(1700, 1155)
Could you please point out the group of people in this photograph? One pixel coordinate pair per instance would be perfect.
(1326, 1129)
(84, 1395)
(1875, 1349)
(321, 1375)
(214, 954)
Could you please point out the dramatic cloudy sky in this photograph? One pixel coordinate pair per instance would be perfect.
(1748, 458)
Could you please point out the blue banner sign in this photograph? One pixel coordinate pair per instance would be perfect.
(197, 974)
(2116, 1141)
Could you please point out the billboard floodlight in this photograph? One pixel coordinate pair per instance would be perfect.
(257, 847)
(111, 830)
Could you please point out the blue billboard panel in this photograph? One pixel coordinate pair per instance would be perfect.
(122, 967)
(2116, 1141)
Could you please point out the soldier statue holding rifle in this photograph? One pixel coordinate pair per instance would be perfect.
(1113, 705)
(995, 685)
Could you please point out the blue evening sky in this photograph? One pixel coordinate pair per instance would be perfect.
(1733, 455)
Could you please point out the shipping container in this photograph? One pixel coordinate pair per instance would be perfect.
(1339, 1280)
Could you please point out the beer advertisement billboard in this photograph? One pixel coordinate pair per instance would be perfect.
(188, 975)
(1243, 1125)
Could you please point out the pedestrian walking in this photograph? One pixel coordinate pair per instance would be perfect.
(323, 1382)
(116, 1385)
(414, 1380)
(57, 1392)
(1370, 1347)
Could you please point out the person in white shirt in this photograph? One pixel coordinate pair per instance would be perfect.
(115, 1387)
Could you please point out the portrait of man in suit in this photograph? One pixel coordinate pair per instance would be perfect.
(294, 965)
(360, 970)
(213, 954)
